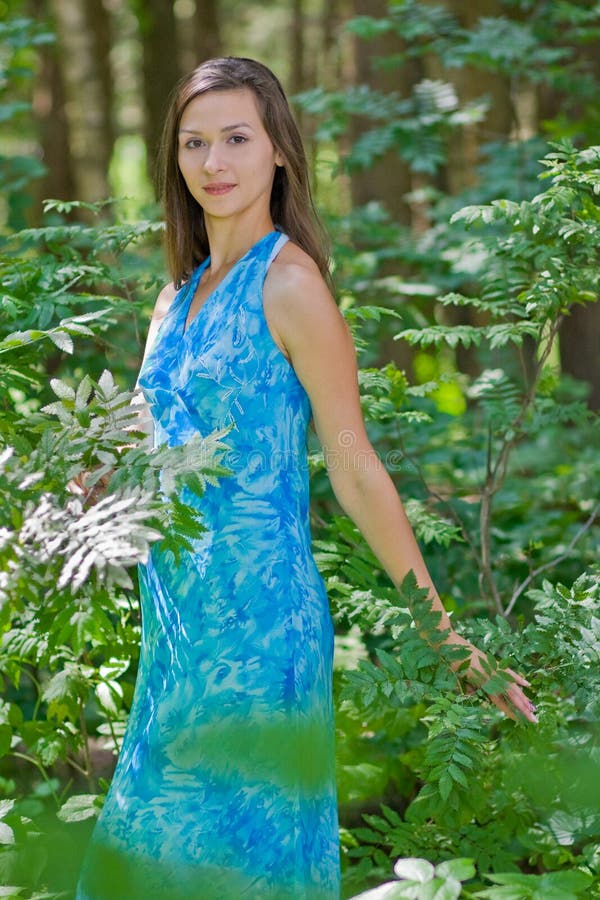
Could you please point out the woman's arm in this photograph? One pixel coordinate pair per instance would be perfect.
(304, 317)
(161, 308)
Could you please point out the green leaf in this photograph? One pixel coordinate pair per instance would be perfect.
(391, 890)
(462, 869)
(441, 889)
(83, 393)
(61, 340)
(6, 806)
(6, 734)
(7, 835)
(106, 384)
(472, 214)
(80, 807)
(573, 881)
(457, 775)
(61, 389)
(445, 786)
(414, 869)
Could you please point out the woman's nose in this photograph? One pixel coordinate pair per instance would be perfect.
(213, 161)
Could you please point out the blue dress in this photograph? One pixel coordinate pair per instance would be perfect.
(225, 784)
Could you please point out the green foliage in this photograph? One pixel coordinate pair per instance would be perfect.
(505, 487)
(416, 126)
(470, 782)
(539, 47)
(19, 37)
(552, 886)
(511, 48)
(501, 491)
(536, 261)
(432, 778)
(79, 274)
(422, 881)
(419, 880)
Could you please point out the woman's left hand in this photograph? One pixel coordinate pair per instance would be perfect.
(512, 700)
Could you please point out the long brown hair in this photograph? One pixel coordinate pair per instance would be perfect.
(292, 207)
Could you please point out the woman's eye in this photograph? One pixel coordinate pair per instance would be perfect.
(194, 144)
(238, 138)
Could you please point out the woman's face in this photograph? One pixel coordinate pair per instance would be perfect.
(225, 155)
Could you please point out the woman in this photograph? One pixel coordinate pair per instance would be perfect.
(225, 783)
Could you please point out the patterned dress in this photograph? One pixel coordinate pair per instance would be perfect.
(225, 787)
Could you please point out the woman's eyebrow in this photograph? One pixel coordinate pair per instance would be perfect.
(223, 130)
(237, 125)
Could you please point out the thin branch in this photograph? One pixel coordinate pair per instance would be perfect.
(486, 575)
(113, 734)
(87, 757)
(496, 473)
(75, 765)
(499, 470)
(38, 765)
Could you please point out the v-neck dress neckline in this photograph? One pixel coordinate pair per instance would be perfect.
(195, 280)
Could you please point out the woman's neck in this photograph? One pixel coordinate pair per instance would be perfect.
(230, 239)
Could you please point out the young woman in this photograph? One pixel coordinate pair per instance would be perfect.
(225, 783)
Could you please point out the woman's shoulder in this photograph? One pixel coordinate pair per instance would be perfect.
(296, 298)
(293, 273)
(302, 313)
(164, 301)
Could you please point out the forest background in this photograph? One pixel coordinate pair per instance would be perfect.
(452, 150)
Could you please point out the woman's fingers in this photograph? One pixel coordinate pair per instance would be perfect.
(518, 678)
(508, 703)
(517, 698)
(78, 486)
(522, 703)
(512, 700)
(499, 701)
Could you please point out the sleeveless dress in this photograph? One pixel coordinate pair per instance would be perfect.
(225, 783)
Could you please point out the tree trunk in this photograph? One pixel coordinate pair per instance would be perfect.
(82, 28)
(160, 69)
(53, 128)
(579, 335)
(298, 78)
(198, 34)
(298, 63)
(207, 30)
(329, 66)
(389, 179)
(579, 341)
(334, 54)
(464, 146)
(100, 24)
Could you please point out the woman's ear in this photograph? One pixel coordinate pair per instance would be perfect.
(279, 160)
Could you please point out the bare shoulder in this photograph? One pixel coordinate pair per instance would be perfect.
(164, 301)
(294, 285)
(299, 307)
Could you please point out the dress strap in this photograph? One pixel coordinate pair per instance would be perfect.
(281, 240)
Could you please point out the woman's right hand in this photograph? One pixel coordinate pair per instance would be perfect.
(87, 494)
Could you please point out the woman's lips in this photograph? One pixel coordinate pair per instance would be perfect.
(218, 189)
